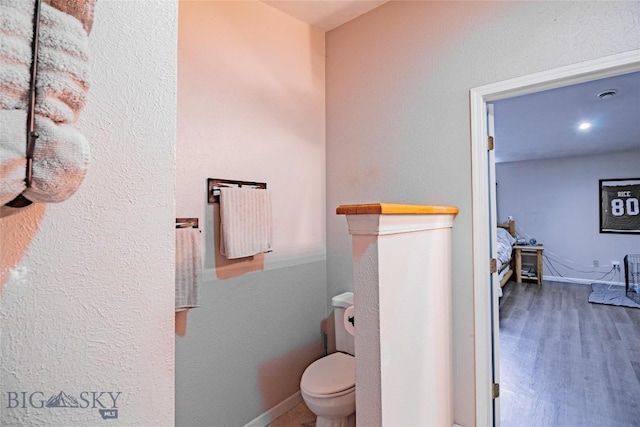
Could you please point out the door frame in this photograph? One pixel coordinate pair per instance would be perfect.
(608, 66)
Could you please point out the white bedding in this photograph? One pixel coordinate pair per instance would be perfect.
(502, 273)
(505, 246)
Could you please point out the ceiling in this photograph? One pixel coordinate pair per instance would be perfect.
(535, 126)
(545, 124)
(325, 14)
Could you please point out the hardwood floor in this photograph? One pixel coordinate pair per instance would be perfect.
(565, 362)
(298, 416)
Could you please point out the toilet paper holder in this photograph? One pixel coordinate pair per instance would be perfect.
(349, 320)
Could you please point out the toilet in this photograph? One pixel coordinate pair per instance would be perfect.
(328, 385)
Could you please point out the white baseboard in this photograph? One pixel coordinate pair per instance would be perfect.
(581, 281)
(265, 418)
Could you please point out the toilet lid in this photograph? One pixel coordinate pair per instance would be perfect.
(331, 374)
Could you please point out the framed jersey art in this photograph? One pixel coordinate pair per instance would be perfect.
(620, 205)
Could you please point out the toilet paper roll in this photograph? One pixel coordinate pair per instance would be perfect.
(349, 320)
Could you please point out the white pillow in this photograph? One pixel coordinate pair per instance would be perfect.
(503, 234)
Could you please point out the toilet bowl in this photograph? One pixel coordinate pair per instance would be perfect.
(328, 389)
(328, 385)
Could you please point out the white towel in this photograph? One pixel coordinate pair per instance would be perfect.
(13, 147)
(63, 61)
(60, 162)
(245, 222)
(61, 159)
(61, 153)
(188, 267)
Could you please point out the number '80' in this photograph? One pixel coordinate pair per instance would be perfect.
(631, 204)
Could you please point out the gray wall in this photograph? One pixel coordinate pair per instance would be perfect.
(398, 121)
(556, 201)
(246, 348)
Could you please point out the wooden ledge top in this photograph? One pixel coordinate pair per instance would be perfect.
(394, 209)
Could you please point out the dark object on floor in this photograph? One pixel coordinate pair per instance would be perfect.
(632, 276)
(601, 293)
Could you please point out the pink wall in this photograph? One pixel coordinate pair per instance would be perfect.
(251, 107)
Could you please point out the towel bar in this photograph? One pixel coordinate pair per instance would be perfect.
(214, 184)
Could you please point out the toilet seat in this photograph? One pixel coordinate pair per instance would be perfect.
(331, 376)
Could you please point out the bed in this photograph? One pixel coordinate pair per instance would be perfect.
(505, 241)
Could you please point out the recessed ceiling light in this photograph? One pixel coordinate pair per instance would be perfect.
(606, 94)
(584, 126)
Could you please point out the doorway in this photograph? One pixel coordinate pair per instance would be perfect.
(486, 323)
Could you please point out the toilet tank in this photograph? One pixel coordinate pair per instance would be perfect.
(344, 340)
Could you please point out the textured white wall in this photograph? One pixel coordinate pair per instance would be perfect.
(251, 107)
(89, 305)
(402, 279)
(398, 125)
(556, 201)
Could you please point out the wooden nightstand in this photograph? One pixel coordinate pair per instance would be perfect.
(524, 250)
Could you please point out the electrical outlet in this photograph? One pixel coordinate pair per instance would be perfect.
(596, 263)
(615, 265)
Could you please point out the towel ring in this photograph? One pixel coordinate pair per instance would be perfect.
(20, 201)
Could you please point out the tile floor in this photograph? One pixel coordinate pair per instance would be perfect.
(298, 416)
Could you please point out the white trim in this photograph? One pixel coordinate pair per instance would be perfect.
(609, 66)
(481, 253)
(579, 281)
(273, 261)
(280, 409)
(622, 63)
(383, 224)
